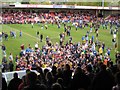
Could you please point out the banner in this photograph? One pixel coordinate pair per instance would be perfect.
(57, 6)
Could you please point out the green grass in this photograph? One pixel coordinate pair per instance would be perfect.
(29, 36)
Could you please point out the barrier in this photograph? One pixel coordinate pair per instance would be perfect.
(9, 75)
(65, 6)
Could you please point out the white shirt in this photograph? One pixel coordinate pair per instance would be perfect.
(36, 45)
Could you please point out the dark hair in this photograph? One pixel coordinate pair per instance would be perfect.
(24, 80)
(67, 67)
(54, 67)
(78, 70)
(31, 77)
(60, 81)
(15, 75)
(103, 67)
(27, 71)
(89, 68)
(45, 71)
(43, 87)
(56, 86)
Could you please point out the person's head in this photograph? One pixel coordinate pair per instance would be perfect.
(56, 86)
(15, 75)
(27, 71)
(31, 78)
(10, 53)
(60, 81)
(49, 76)
(45, 71)
(78, 70)
(67, 67)
(39, 69)
(24, 79)
(89, 68)
(43, 87)
(103, 67)
(111, 63)
(54, 68)
(59, 70)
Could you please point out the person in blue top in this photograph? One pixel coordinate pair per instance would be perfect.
(83, 38)
(92, 39)
(20, 33)
(108, 51)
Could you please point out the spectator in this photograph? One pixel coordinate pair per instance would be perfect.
(32, 82)
(11, 66)
(103, 80)
(4, 84)
(60, 81)
(43, 87)
(118, 63)
(67, 74)
(10, 58)
(4, 63)
(56, 86)
(22, 47)
(49, 79)
(41, 37)
(23, 83)
(20, 33)
(36, 45)
(14, 83)
(41, 77)
(37, 33)
(117, 79)
(80, 80)
(54, 70)
(59, 73)
(4, 49)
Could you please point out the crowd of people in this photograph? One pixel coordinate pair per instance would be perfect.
(76, 66)
(97, 77)
(23, 17)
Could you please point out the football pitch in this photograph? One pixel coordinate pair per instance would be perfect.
(29, 36)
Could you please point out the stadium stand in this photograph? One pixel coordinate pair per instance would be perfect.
(75, 66)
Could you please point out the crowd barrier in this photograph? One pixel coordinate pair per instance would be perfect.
(9, 75)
